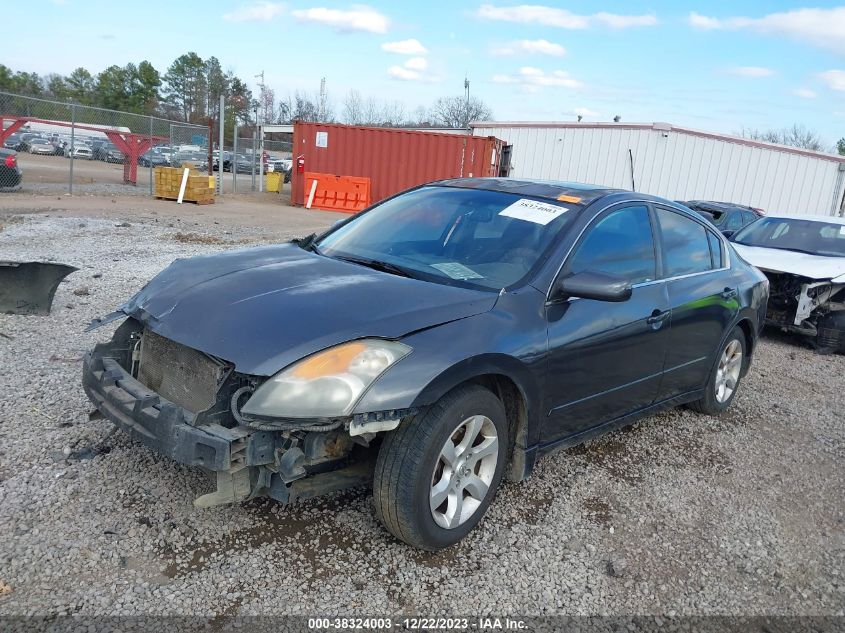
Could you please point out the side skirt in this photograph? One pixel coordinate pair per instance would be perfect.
(531, 454)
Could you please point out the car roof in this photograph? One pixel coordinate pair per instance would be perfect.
(550, 189)
(559, 191)
(719, 206)
(831, 219)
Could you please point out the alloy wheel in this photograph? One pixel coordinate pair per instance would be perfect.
(727, 373)
(464, 471)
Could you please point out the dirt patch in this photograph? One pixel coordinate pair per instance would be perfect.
(8, 221)
(597, 510)
(196, 238)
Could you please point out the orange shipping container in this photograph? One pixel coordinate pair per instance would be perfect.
(393, 159)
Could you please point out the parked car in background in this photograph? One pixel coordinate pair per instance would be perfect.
(113, 155)
(79, 150)
(246, 163)
(727, 217)
(153, 159)
(10, 172)
(104, 150)
(452, 334)
(40, 145)
(197, 160)
(227, 161)
(279, 164)
(804, 260)
(12, 141)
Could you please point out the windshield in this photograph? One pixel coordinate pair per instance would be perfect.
(466, 237)
(793, 234)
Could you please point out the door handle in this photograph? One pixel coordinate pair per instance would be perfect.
(657, 318)
(728, 293)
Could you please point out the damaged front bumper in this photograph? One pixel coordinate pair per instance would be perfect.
(247, 462)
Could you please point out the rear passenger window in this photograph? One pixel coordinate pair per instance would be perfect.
(620, 244)
(715, 250)
(735, 221)
(686, 247)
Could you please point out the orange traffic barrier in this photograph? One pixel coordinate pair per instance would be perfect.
(347, 194)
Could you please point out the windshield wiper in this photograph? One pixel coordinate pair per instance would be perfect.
(307, 243)
(376, 264)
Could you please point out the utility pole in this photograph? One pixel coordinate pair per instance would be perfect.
(322, 113)
(263, 100)
(466, 109)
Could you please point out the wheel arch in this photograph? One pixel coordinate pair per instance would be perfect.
(511, 381)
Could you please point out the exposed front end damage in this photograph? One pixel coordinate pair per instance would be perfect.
(185, 405)
(807, 306)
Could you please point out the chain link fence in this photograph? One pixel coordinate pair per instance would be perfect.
(68, 146)
(247, 162)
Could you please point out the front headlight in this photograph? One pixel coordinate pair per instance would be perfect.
(327, 384)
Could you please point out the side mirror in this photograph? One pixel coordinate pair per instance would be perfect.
(728, 232)
(590, 284)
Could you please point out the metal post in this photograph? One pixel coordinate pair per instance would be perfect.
(260, 158)
(151, 156)
(235, 155)
(220, 122)
(252, 165)
(72, 142)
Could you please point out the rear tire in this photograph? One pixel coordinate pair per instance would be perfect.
(438, 472)
(725, 377)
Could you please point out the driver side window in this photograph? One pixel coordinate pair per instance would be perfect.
(620, 244)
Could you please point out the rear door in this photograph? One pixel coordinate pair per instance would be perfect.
(702, 298)
(606, 359)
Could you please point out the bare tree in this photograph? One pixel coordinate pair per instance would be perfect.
(795, 136)
(304, 107)
(353, 108)
(458, 112)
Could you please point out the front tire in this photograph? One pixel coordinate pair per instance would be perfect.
(725, 377)
(438, 472)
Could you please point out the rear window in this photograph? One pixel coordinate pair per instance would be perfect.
(686, 247)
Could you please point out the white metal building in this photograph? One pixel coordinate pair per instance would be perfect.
(676, 163)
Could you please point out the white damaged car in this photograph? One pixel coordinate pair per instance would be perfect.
(804, 259)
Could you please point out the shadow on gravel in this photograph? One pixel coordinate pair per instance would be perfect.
(278, 526)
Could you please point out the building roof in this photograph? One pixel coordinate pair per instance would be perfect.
(660, 127)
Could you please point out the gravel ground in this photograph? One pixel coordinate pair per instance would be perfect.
(680, 514)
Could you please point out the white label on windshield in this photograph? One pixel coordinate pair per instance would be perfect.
(533, 211)
(842, 230)
(456, 270)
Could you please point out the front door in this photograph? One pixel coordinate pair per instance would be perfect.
(606, 359)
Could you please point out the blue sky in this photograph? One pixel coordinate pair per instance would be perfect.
(714, 65)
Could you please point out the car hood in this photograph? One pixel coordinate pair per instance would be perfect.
(803, 264)
(264, 308)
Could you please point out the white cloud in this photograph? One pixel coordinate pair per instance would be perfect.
(833, 79)
(819, 27)
(416, 63)
(531, 79)
(400, 72)
(703, 22)
(804, 93)
(585, 112)
(561, 18)
(405, 47)
(531, 47)
(752, 71)
(358, 18)
(412, 70)
(259, 12)
(616, 21)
